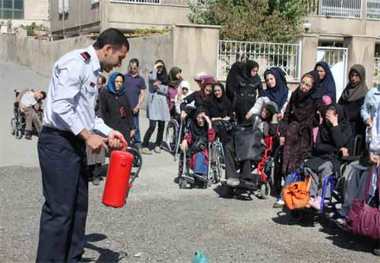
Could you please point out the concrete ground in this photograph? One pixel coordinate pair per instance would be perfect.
(160, 222)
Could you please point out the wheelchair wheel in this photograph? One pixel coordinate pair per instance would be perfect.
(13, 126)
(171, 135)
(265, 190)
(182, 183)
(137, 162)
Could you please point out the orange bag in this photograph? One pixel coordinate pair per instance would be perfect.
(297, 195)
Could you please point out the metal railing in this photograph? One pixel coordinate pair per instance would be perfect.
(343, 8)
(154, 2)
(286, 56)
(137, 1)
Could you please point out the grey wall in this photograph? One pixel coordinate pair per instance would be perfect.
(81, 14)
(192, 48)
(40, 55)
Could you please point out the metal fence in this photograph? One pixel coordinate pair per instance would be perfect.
(137, 1)
(154, 2)
(286, 56)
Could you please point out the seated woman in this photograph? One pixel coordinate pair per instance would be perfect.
(332, 140)
(195, 143)
(262, 126)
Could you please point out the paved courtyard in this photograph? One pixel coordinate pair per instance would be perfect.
(160, 222)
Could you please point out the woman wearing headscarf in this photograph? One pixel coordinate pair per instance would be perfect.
(353, 97)
(243, 87)
(175, 79)
(158, 108)
(197, 99)
(241, 73)
(333, 140)
(296, 128)
(220, 111)
(326, 80)
(114, 106)
(184, 90)
(276, 88)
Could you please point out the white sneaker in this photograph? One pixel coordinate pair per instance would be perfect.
(145, 151)
(157, 149)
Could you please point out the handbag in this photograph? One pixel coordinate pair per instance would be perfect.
(362, 218)
(297, 195)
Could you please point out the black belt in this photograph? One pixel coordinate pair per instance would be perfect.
(67, 134)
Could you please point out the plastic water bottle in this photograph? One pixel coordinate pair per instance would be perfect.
(199, 257)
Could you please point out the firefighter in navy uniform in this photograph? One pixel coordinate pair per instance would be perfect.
(69, 125)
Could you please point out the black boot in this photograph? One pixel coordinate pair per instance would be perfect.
(376, 250)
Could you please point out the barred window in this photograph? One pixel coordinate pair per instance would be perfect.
(138, 1)
(11, 9)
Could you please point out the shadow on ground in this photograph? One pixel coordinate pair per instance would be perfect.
(106, 255)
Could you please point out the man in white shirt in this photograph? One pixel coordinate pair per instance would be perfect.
(69, 125)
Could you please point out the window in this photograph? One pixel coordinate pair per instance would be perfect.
(63, 8)
(138, 1)
(11, 9)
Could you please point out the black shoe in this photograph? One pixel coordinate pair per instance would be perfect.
(28, 135)
(96, 180)
(376, 251)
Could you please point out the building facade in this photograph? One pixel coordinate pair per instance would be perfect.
(343, 33)
(24, 12)
(72, 17)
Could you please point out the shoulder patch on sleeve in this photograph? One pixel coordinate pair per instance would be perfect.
(85, 56)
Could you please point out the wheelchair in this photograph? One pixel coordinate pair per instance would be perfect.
(137, 162)
(261, 177)
(215, 168)
(173, 133)
(18, 120)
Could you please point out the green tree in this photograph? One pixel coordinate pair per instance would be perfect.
(260, 20)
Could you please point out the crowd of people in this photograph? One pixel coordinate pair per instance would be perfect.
(310, 126)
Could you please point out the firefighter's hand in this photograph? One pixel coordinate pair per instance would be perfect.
(94, 142)
(116, 140)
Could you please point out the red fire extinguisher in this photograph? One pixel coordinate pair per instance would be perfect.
(118, 179)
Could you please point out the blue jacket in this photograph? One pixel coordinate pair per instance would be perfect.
(371, 103)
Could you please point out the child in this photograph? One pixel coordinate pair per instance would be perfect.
(184, 89)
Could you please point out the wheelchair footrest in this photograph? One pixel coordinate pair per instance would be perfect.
(189, 179)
